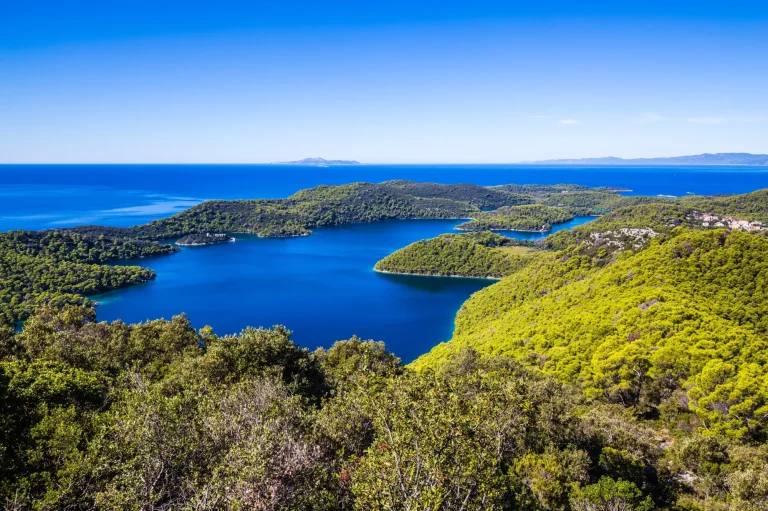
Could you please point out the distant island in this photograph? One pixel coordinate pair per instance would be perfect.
(698, 159)
(320, 161)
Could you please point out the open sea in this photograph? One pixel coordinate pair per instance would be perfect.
(322, 286)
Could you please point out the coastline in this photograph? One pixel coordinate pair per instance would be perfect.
(285, 235)
(230, 240)
(502, 230)
(432, 275)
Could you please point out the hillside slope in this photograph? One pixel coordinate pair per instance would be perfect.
(54, 268)
(689, 313)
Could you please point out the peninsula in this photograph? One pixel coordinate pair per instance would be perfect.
(477, 254)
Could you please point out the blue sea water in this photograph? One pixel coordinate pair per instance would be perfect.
(323, 286)
(50, 196)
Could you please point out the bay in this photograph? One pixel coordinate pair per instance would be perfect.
(323, 287)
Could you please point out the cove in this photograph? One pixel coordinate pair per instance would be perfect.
(322, 287)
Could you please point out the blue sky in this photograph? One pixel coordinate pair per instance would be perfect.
(388, 82)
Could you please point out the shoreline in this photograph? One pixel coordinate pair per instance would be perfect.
(230, 240)
(502, 230)
(285, 235)
(432, 275)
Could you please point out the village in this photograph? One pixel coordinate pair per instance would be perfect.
(709, 220)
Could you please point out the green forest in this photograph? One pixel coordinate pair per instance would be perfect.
(618, 366)
(531, 217)
(61, 267)
(158, 415)
(479, 254)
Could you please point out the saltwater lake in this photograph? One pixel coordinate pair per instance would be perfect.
(323, 286)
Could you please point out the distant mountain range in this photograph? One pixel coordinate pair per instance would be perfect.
(698, 159)
(320, 161)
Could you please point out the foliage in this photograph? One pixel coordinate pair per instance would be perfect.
(68, 246)
(60, 267)
(532, 217)
(157, 415)
(659, 216)
(595, 202)
(469, 255)
(608, 494)
(687, 313)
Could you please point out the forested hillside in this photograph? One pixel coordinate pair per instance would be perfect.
(532, 217)
(157, 415)
(61, 267)
(65, 245)
(686, 318)
(750, 206)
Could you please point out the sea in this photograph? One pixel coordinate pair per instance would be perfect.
(322, 287)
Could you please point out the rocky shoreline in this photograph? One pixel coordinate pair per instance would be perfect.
(434, 275)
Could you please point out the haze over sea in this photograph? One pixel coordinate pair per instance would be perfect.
(322, 286)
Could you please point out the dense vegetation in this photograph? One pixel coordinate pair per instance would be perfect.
(577, 199)
(532, 217)
(61, 267)
(679, 327)
(65, 245)
(159, 416)
(665, 216)
(477, 254)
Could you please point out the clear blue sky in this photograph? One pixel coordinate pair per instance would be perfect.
(380, 81)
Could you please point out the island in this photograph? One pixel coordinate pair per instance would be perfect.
(321, 162)
(202, 239)
(697, 159)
